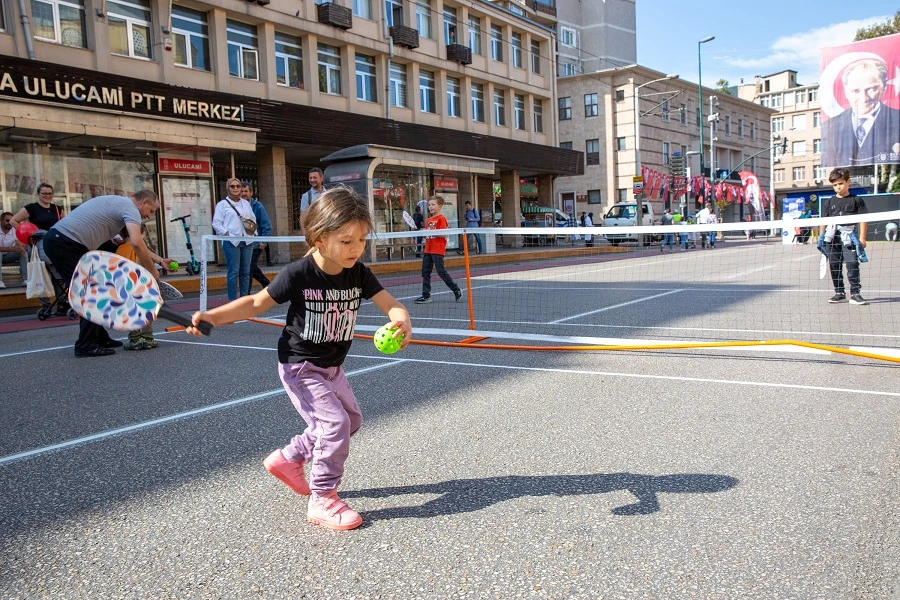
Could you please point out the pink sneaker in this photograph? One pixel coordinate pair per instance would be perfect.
(290, 473)
(330, 511)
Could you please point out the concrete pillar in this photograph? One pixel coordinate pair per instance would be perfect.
(273, 192)
(512, 204)
(545, 192)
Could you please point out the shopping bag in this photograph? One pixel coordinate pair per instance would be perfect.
(39, 283)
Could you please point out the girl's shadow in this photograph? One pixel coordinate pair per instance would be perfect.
(468, 495)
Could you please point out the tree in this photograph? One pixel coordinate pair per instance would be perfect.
(723, 86)
(889, 175)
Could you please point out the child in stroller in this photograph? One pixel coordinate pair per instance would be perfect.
(59, 305)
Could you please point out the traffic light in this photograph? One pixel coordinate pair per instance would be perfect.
(784, 142)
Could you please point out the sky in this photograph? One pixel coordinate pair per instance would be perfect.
(760, 37)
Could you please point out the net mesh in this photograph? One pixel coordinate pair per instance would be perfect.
(643, 287)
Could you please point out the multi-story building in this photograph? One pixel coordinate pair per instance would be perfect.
(597, 115)
(798, 175)
(405, 98)
(594, 36)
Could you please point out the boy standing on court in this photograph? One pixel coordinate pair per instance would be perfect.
(836, 243)
(435, 248)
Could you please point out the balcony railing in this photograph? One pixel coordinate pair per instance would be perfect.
(543, 6)
(404, 36)
(459, 53)
(335, 15)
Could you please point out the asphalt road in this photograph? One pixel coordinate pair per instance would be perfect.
(480, 474)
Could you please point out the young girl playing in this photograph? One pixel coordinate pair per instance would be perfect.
(324, 289)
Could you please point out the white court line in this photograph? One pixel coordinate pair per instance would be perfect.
(599, 310)
(736, 275)
(178, 416)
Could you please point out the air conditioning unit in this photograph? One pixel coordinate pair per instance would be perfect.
(776, 160)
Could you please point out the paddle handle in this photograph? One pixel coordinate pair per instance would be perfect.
(170, 314)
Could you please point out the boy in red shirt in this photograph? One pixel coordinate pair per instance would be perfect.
(435, 248)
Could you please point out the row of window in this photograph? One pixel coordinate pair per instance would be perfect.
(789, 98)
(797, 122)
(820, 173)
(63, 22)
(393, 10)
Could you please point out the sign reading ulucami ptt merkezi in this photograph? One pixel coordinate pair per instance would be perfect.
(60, 89)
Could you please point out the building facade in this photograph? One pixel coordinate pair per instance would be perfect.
(594, 36)
(112, 96)
(597, 114)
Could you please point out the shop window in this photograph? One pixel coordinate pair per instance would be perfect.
(243, 50)
(478, 102)
(475, 35)
(427, 102)
(366, 89)
(129, 28)
(539, 116)
(398, 85)
(423, 18)
(191, 38)
(59, 21)
(329, 69)
(288, 60)
(453, 97)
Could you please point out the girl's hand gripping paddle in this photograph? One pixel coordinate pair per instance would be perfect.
(112, 291)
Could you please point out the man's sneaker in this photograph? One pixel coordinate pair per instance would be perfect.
(457, 294)
(838, 298)
(290, 473)
(423, 300)
(93, 351)
(330, 511)
(857, 299)
(108, 342)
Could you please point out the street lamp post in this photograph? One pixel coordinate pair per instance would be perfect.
(639, 205)
(687, 175)
(700, 95)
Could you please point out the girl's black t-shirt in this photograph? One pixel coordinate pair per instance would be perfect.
(322, 313)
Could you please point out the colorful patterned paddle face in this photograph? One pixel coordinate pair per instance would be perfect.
(112, 291)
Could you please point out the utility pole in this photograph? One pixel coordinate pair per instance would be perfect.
(713, 118)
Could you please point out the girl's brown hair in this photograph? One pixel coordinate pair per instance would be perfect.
(334, 209)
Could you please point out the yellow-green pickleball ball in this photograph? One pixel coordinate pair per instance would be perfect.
(385, 341)
(173, 266)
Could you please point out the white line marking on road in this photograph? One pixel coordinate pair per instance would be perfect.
(182, 415)
(599, 310)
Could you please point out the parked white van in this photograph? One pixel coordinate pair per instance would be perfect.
(623, 214)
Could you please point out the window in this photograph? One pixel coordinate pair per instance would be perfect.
(393, 12)
(798, 121)
(594, 197)
(816, 122)
(779, 152)
(519, 111)
(398, 85)
(453, 97)
(496, 43)
(423, 18)
(592, 152)
(664, 110)
(288, 60)
(366, 89)
(478, 102)
(539, 116)
(129, 27)
(449, 25)
(517, 50)
(727, 125)
(536, 58)
(740, 127)
(329, 69)
(427, 102)
(778, 176)
(798, 148)
(565, 108)
(517, 10)
(621, 195)
(499, 108)
(752, 131)
(820, 173)
(565, 145)
(798, 174)
(620, 144)
(190, 33)
(665, 152)
(682, 114)
(60, 21)
(243, 56)
(567, 37)
(776, 101)
(777, 124)
(817, 148)
(590, 105)
(814, 95)
(566, 69)
(362, 9)
(799, 96)
(620, 95)
(2, 19)
(475, 35)
(764, 101)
